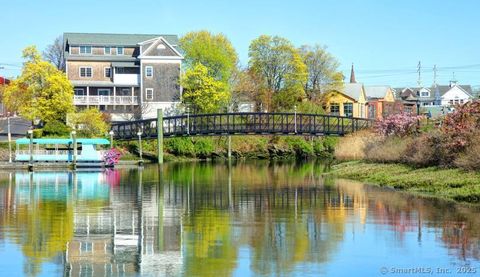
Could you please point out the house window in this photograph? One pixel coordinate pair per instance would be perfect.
(372, 111)
(424, 93)
(85, 72)
(119, 50)
(108, 72)
(86, 247)
(149, 94)
(335, 109)
(149, 71)
(79, 91)
(103, 91)
(348, 109)
(125, 91)
(107, 50)
(84, 50)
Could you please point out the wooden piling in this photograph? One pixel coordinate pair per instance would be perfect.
(160, 135)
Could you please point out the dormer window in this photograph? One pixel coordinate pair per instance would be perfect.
(107, 50)
(119, 50)
(424, 93)
(85, 50)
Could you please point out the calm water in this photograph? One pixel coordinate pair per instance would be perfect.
(255, 219)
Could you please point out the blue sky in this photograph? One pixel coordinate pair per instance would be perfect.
(384, 39)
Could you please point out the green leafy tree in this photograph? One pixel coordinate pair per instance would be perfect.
(88, 123)
(280, 68)
(42, 91)
(323, 74)
(214, 51)
(201, 91)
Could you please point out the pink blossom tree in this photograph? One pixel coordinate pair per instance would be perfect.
(401, 125)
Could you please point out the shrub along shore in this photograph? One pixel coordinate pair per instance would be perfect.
(243, 147)
(453, 184)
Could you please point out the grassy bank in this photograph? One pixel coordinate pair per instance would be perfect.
(453, 184)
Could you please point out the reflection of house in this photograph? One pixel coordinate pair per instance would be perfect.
(134, 232)
(381, 101)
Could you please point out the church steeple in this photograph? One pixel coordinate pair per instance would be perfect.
(352, 76)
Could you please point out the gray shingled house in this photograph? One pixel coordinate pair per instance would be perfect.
(129, 76)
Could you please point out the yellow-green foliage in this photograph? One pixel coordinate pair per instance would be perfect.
(202, 91)
(278, 65)
(41, 91)
(89, 123)
(214, 51)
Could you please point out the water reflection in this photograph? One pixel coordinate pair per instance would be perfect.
(205, 219)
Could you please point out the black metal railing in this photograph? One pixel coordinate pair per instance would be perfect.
(242, 124)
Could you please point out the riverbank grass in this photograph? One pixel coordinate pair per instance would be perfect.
(454, 184)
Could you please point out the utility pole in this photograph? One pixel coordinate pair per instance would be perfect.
(435, 75)
(419, 71)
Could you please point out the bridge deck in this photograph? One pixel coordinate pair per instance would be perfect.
(242, 124)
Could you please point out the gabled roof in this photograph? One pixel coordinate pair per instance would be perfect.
(401, 92)
(353, 90)
(155, 42)
(105, 39)
(376, 91)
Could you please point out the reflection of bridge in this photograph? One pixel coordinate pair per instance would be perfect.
(242, 124)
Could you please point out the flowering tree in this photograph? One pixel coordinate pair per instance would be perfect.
(460, 125)
(111, 157)
(397, 125)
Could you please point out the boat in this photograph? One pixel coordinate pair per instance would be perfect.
(89, 152)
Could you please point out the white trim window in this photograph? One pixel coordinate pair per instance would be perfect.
(85, 72)
(149, 94)
(103, 91)
(120, 51)
(149, 71)
(107, 50)
(79, 91)
(108, 72)
(85, 50)
(424, 93)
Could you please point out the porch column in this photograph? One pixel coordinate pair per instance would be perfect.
(88, 96)
(114, 96)
(133, 95)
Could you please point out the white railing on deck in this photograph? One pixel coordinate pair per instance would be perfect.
(46, 152)
(105, 100)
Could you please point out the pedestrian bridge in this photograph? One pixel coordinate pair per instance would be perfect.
(220, 124)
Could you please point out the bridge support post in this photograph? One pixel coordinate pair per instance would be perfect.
(160, 135)
(229, 153)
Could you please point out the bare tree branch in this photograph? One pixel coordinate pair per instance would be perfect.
(55, 53)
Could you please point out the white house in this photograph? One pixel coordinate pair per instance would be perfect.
(437, 95)
(456, 95)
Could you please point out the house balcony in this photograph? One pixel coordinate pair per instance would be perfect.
(126, 79)
(105, 100)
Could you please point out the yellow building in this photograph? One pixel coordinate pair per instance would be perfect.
(349, 101)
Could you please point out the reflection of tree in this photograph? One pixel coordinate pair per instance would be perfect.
(209, 244)
(45, 229)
